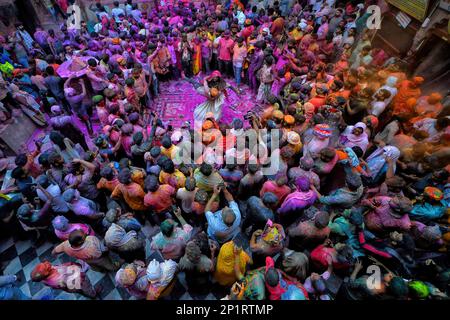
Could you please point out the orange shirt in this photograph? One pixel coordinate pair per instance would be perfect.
(161, 199)
(109, 185)
(132, 194)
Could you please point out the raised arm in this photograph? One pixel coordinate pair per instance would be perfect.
(88, 165)
(216, 193)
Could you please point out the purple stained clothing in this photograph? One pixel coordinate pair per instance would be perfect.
(381, 218)
(206, 50)
(303, 184)
(64, 234)
(256, 61)
(297, 201)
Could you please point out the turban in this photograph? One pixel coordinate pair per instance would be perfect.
(433, 193)
(391, 81)
(24, 210)
(126, 276)
(296, 85)
(294, 138)
(321, 219)
(432, 233)
(288, 119)
(322, 130)
(176, 136)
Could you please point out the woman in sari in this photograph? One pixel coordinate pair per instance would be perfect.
(280, 286)
(160, 276)
(268, 242)
(355, 136)
(133, 277)
(197, 56)
(232, 263)
(321, 139)
(302, 198)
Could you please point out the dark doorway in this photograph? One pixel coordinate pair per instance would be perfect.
(27, 15)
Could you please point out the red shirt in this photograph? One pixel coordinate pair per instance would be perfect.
(161, 199)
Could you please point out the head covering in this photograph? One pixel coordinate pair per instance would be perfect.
(60, 223)
(372, 121)
(214, 74)
(56, 109)
(433, 193)
(126, 276)
(434, 98)
(322, 130)
(176, 136)
(42, 270)
(271, 235)
(293, 138)
(303, 183)
(289, 120)
(154, 272)
(418, 80)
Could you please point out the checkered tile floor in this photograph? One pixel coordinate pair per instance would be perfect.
(19, 257)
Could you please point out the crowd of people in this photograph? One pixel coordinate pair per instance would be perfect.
(345, 171)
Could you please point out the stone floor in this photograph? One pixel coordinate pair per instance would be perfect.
(20, 256)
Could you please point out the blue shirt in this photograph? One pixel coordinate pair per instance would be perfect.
(216, 224)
